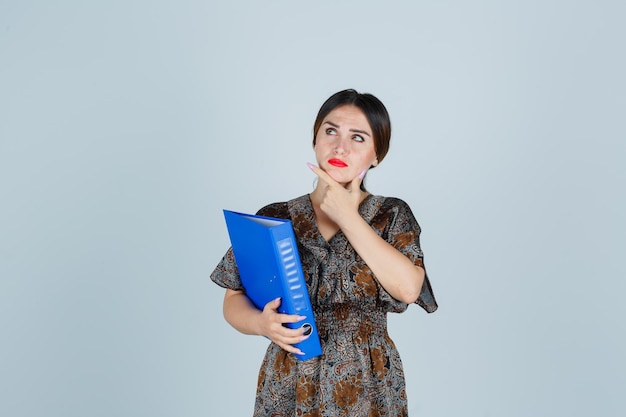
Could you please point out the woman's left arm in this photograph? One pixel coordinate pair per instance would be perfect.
(394, 271)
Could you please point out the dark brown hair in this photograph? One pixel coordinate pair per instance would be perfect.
(374, 111)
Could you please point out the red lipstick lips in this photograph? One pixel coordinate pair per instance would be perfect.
(337, 163)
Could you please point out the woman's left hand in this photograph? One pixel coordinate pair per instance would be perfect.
(335, 200)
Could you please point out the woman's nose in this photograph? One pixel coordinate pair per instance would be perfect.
(343, 146)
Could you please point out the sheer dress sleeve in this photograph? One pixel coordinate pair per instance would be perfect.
(403, 232)
(226, 273)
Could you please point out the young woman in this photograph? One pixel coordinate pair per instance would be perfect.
(361, 258)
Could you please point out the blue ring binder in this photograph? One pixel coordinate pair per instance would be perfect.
(266, 254)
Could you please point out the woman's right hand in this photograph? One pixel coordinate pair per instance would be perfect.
(245, 317)
(271, 325)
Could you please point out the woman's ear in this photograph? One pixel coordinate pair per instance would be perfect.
(375, 162)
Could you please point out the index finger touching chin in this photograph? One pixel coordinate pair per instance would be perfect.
(321, 174)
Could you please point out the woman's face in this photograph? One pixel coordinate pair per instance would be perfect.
(344, 144)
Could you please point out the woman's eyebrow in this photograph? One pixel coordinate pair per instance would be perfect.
(360, 131)
(335, 125)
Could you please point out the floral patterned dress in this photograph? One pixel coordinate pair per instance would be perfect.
(359, 373)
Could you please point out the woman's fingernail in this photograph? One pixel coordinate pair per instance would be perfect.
(362, 174)
(310, 165)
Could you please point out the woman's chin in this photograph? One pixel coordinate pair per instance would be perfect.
(341, 179)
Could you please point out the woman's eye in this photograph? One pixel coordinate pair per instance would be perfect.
(331, 131)
(358, 138)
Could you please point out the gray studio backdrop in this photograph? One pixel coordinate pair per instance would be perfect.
(126, 126)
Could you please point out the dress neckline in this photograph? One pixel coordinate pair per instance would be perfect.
(304, 220)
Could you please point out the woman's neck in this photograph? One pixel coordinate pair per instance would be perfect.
(317, 194)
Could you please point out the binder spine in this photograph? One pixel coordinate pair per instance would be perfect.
(295, 291)
(296, 296)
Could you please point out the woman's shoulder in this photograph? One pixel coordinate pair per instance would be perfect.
(393, 209)
(392, 203)
(280, 210)
(273, 210)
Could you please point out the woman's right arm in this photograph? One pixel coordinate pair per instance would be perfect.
(240, 313)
